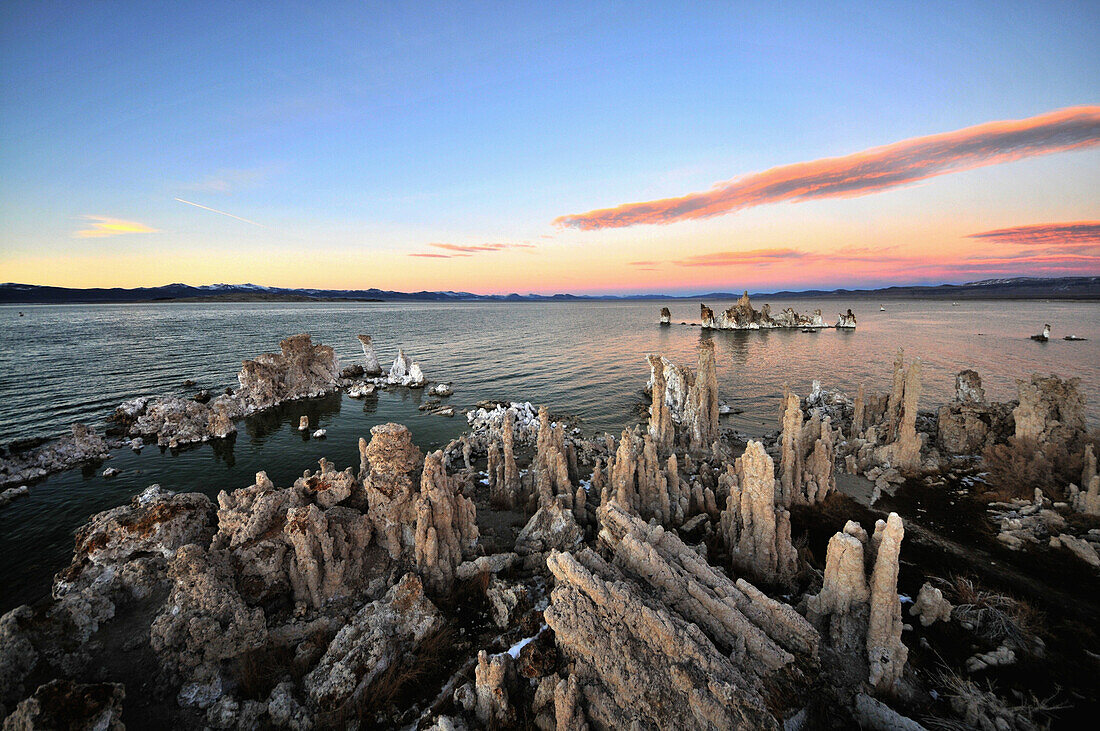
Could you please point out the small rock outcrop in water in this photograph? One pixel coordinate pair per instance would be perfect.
(371, 366)
(743, 316)
(666, 316)
(846, 320)
(406, 372)
(82, 445)
(688, 404)
(299, 370)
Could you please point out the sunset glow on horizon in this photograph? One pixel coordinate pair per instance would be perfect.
(548, 150)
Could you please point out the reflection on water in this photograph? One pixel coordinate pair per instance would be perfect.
(60, 364)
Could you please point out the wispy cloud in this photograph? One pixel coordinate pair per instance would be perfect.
(215, 210)
(753, 257)
(102, 226)
(863, 173)
(229, 180)
(470, 249)
(1072, 233)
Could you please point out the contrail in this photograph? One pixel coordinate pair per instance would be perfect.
(215, 210)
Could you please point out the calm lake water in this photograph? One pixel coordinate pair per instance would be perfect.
(60, 364)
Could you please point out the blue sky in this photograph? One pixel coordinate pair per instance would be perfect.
(362, 132)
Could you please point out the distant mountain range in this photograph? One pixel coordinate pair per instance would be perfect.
(1014, 288)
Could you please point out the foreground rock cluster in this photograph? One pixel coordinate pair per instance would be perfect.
(529, 575)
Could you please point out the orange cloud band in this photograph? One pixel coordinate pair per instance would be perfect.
(870, 171)
(1073, 233)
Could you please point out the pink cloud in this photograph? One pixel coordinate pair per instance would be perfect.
(1072, 233)
(863, 173)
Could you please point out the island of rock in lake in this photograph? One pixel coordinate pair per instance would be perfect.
(529, 575)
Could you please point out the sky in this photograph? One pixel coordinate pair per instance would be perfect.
(591, 148)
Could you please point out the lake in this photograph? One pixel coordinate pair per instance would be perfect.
(65, 363)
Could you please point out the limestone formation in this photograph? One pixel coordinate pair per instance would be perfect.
(930, 606)
(661, 427)
(81, 446)
(700, 418)
(178, 421)
(204, 620)
(964, 424)
(846, 320)
(6, 496)
(1050, 410)
(790, 449)
(371, 366)
(902, 450)
(757, 533)
(155, 523)
(370, 642)
(406, 372)
(491, 677)
(552, 527)
(706, 317)
(446, 529)
(841, 608)
(1086, 499)
(666, 316)
(862, 619)
(885, 652)
(807, 454)
(551, 466)
(301, 369)
(303, 423)
(661, 639)
(743, 316)
(386, 464)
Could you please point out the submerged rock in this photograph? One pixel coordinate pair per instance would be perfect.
(12, 493)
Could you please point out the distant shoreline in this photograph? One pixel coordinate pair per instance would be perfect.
(1018, 288)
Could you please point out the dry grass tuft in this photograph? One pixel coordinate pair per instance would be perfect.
(1021, 465)
(979, 706)
(997, 618)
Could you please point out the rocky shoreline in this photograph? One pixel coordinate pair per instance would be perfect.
(300, 370)
(528, 575)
